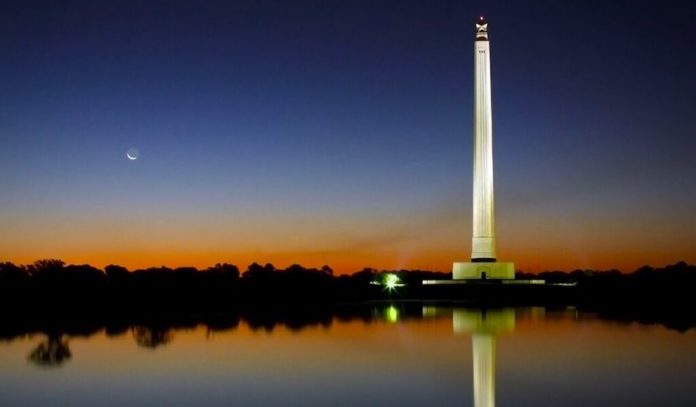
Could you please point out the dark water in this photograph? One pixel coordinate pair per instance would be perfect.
(434, 356)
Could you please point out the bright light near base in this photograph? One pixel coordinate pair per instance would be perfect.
(391, 281)
(388, 282)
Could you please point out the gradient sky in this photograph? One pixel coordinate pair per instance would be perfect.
(339, 132)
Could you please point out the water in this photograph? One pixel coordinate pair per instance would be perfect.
(402, 355)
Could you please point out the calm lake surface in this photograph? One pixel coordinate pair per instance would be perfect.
(420, 356)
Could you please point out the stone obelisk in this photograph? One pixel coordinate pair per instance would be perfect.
(483, 263)
(483, 240)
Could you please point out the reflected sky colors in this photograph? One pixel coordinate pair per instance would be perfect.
(340, 132)
(549, 358)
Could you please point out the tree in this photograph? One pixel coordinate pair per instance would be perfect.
(113, 269)
(151, 337)
(229, 270)
(327, 270)
(48, 266)
(52, 352)
(10, 271)
(257, 271)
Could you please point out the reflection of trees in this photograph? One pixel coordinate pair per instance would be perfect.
(51, 352)
(151, 337)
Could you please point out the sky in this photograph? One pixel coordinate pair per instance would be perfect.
(340, 132)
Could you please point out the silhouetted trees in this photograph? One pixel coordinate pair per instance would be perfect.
(151, 337)
(258, 274)
(13, 277)
(51, 352)
(228, 270)
(63, 301)
(158, 329)
(10, 270)
(52, 282)
(46, 266)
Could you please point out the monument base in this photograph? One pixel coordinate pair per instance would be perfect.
(483, 271)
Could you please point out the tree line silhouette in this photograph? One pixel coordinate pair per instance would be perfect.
(62, 301)
(156, 331)
(50, 284)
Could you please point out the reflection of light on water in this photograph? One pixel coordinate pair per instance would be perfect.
(391, 314)
(483, 350)
(483, 321)
(484, 326)
(429, 312)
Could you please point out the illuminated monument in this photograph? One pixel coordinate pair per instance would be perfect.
(484, 264)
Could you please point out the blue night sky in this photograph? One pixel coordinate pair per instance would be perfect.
(339, 132)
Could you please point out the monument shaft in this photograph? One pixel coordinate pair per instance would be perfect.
(483, 240)
(483, 265)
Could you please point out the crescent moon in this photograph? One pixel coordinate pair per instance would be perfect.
(132, 154)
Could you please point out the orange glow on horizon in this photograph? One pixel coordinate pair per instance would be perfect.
(430, 240)
(346, 262)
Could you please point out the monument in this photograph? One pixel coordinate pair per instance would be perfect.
(483, 264)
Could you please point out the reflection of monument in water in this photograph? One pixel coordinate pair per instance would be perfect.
(484, 326)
